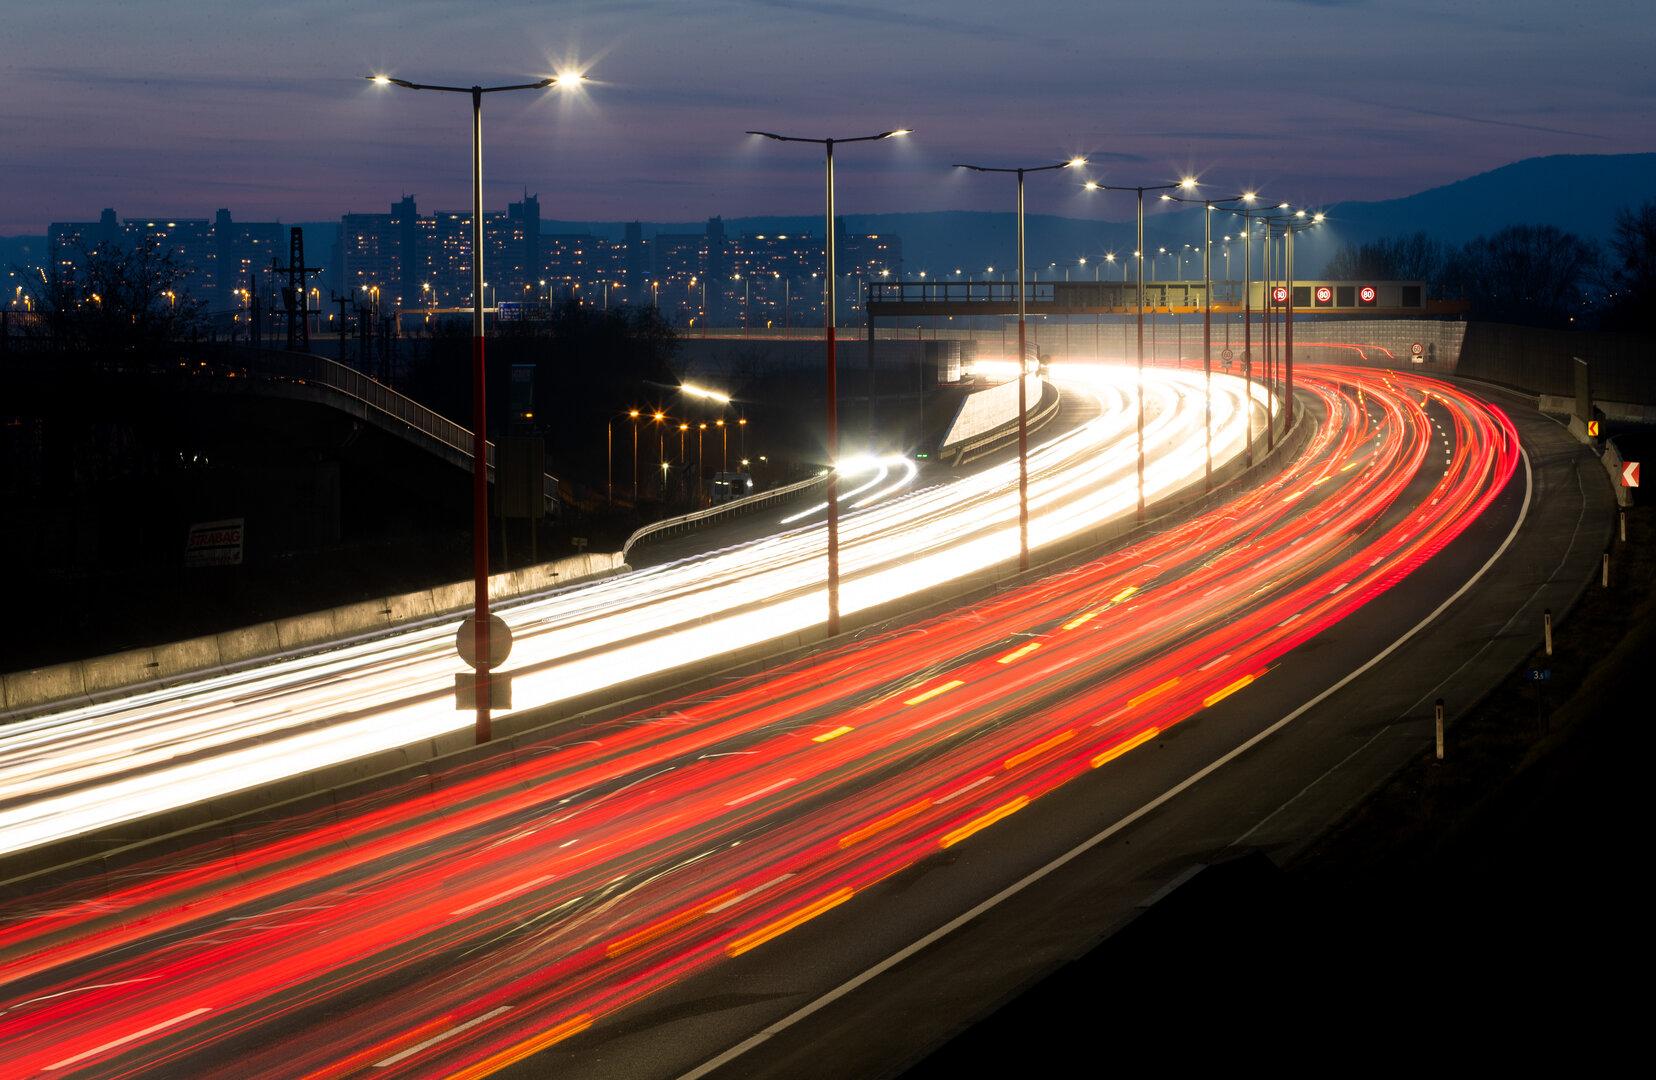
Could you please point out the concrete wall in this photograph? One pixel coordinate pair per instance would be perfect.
(985, 410)
(81, 682)
(1623, 366)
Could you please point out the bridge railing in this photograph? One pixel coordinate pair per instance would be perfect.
(303, 368)
(697, 518)
(915, 292)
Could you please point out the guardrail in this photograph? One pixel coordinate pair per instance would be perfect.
(686, 522)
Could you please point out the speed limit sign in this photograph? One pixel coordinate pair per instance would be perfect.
(1418, 350)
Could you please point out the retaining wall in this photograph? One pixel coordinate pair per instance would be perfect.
(84, 682)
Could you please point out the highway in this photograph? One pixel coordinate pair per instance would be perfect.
(501, 917)
(81, 770)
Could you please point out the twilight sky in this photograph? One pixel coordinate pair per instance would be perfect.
(177, 107)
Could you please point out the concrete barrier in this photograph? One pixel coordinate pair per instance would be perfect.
(984, 411)
(84, 682)
(1040, 412)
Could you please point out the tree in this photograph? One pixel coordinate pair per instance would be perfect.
(1414, 257)
(590, 366)
(1631, 276)
(117, 304)
(1532, 275)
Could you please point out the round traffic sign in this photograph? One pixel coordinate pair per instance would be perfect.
(1324, 294)
(500, 641)
(1225, 354)
(1279, 295)
(1417, 348)
(1367, 294)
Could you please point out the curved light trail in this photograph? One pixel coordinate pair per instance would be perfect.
(83, 769)
(457, 927)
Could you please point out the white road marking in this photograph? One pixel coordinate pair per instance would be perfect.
(440, 1036)
(750, 796)
(124, 1039)
(734, 900)
(513, 891)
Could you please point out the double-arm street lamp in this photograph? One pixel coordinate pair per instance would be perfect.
(1248, 218)
(1207, 315)
(1023, 362)
(480, 487)
(1299, 221)
(1187, 184)
(833, 384)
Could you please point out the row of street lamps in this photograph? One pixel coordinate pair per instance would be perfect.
(480, 608)
(663, 423)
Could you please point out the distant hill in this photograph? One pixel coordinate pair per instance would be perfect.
(1577, 192)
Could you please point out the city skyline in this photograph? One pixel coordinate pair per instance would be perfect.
(1364, 106)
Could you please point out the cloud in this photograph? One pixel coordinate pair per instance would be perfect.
(1466, 118)
(898, 15)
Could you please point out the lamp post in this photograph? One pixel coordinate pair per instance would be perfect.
(828, 337)
(480, 487)
(1300, 221)
(632, 414)
(724, 438)
(661, 447)
(1187, 184)
(1207, 315)
(1023, 359)
(1248, 218)
(684, 430)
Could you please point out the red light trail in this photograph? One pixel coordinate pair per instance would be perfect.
(460, 925)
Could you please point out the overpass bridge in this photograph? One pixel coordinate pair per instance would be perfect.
(297, 376)
(1360, 299)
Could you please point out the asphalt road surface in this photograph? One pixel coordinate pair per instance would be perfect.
(854, 854)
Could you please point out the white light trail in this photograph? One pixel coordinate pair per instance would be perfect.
(87, 768)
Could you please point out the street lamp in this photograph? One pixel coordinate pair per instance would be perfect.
(833, 387)
(632, 414)
(1300, 221)
(480, 487)
(1023, 359)
(1187, 184)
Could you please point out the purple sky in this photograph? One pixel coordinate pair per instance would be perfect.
(180, 107)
